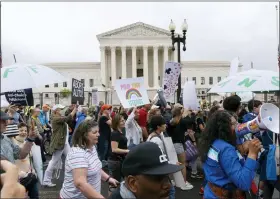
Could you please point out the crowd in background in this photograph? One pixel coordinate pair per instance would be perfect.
(105, 138)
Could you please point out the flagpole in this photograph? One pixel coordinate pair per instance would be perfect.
(277, 24)
(277, 35)
(0, 42)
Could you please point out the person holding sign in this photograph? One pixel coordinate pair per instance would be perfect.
(133, 130)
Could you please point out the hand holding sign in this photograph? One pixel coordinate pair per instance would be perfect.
(132, 92)
(77, 92)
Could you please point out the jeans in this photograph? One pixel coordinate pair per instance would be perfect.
(172, 192)
(115, 169)
(103, 148)
(33, 192)
(194, 165)
(70, 140)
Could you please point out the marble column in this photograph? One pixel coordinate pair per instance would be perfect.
(165, 55)
(145, 66)
(103, 66)
(134, 62)
(156, 85)
(113, 65)
(123, 62)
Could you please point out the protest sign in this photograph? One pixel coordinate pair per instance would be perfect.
(189, 96)
(94, 96)
(23, 97)
(77, 92)
(132, 92)
(170, 78)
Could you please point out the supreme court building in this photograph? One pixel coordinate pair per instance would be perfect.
(136, 50)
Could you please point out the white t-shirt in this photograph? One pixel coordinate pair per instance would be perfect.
(81, 158)
(155, 139)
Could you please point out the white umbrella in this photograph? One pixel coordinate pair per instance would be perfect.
(245, 96)
(251, 80)
(4, 102)
(22, 76)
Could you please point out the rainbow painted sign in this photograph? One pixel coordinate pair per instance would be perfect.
(132, 92)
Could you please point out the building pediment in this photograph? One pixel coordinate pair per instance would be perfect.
(138, 29)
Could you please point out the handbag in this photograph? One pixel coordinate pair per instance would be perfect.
(30, 179)
(191, 151)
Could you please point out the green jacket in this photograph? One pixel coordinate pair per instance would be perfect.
(59, 126)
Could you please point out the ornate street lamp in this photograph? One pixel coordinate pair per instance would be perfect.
(178, 39)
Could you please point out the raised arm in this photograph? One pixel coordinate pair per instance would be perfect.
(130, 118)
(241, 176)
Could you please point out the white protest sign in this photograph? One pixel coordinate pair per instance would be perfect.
(172, 71)
(94, 97)
(132, 92)
(172, 157)
(189, 96)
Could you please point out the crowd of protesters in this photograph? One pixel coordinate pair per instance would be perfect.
(125, 147)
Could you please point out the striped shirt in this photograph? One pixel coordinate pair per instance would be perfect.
(81, 158)
(11, 130)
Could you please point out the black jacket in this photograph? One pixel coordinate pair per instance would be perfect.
(116, 194)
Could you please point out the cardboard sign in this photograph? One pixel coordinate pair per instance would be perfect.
(132, 92)
(22, 97)
(78, 94)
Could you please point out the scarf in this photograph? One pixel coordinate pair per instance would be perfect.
(125, 193)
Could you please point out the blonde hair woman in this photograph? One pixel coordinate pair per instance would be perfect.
(176, 130)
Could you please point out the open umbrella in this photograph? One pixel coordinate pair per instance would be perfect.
(22, 76)
(4, 102)
(251, 80)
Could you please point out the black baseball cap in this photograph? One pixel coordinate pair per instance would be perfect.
(148, 159)
(5, 116)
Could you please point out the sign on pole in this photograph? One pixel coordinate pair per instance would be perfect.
(132, 92)
(78, 95)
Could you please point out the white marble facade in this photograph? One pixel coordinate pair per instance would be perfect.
(135, 50)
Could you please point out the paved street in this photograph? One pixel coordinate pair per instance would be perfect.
(48, 193)
(54, 192)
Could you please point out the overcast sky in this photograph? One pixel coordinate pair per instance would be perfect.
(66, 32)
